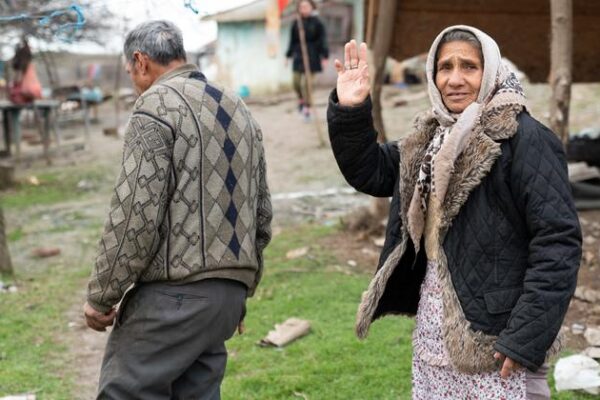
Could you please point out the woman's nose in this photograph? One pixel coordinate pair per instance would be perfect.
(456, 77)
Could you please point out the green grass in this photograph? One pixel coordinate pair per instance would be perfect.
(56, 187)
(15, 234)
(329, 363)
(32, 359)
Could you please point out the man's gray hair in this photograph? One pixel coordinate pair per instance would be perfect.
(160, 40)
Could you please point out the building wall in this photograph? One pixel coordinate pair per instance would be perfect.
(242, 55)
(243, 59)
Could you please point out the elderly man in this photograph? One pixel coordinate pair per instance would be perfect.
(188, 222)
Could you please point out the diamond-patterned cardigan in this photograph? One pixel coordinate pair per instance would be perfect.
(191, 201)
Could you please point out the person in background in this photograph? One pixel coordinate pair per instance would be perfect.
(25, 86)
(189, 219)
(483, 242)
(318, 52)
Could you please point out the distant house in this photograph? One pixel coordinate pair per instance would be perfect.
(244, 53)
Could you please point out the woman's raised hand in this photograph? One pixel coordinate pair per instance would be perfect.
(353, 84)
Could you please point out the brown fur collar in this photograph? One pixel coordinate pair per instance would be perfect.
(469, 351)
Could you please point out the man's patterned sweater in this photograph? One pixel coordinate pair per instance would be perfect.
(191, 201)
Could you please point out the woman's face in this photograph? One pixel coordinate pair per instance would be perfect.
(305, 9)
(459, 74)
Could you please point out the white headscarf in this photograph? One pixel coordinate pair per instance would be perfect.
(494, 71)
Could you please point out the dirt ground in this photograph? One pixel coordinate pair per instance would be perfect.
(306, 186)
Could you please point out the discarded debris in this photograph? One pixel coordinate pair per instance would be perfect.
(85, 185)
(379, 241)
(589, 295)
(284, 334)
(581, 171)
(296, 253)
(577, 372)
(592, 335)
(577, 328)
(33, 180)
(592, 352)
(43, 252)
(112, 131)
(352, 263)
(8, 288)
(19, 397)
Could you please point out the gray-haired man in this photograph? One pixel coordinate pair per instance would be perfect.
(188, 222)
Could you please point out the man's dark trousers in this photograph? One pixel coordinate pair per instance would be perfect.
(169, 341)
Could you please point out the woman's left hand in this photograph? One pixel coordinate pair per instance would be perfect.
(508, 365)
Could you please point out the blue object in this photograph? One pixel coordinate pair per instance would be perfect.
(244, 91)
(189, 4)
(64, 31)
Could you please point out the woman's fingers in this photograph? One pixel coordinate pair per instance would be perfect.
(347, 54)
(508, 367)
(339, 67)
(353, 54)
(362, 54)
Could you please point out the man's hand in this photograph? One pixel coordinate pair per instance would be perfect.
(508, 365)
(97, 320)
(353, 84)
(241, 328)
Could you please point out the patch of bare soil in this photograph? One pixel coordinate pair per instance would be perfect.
(356, 245)
(87, 349)
(583, 312)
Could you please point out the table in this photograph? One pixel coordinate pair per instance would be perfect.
(45, 116)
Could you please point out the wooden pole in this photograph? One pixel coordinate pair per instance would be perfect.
(5, 261)
(370, 22)
(382, 41)
(308, 76)
(561, 61)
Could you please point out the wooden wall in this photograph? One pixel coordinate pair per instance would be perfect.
(521, 28)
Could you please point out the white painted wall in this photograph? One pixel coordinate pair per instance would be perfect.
(243, 59)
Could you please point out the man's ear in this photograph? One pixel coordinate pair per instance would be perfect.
(141, 60)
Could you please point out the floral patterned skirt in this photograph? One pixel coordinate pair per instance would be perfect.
(433, 376)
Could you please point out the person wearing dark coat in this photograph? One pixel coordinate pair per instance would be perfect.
(483, 243)
(316, 46)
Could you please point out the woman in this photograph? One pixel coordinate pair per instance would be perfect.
(316, 45)
(26, 86)
(483, 242)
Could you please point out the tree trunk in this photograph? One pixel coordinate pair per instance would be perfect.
(5, 262)
(382, 40)
(44, 55)
(7, 175)
(561, 52)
